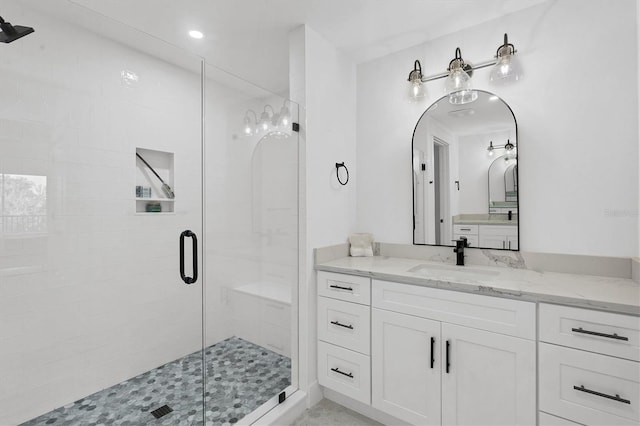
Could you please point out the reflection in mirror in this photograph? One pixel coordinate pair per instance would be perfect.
(455, 149)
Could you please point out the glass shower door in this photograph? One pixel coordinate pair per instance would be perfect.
(96, 323)
(251, 261)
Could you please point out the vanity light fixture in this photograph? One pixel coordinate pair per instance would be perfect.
(458, 83)
(416, 88)
(510, 149)
(285, 115)
(249, 126)
(270, 122)
(507, 67)
(266, 117)
(459, 73)
(490, 149)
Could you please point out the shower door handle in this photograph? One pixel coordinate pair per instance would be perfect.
(189, 234)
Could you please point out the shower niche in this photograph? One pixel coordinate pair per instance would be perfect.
(154, 182)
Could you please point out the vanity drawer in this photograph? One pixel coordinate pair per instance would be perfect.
(344, 324)
(588, 388)
(350, 288)
(505, 316)
(472, 240)
(345, 371)
(465, 229)
(545, 419)
(603, 332)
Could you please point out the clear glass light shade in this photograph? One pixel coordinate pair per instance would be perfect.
(458, 86)
(247, 128)
(264, 121)
(462, 97)
(285, 116)
(416, 90)
(506, 70)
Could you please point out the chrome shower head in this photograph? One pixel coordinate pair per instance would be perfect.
(11, 33)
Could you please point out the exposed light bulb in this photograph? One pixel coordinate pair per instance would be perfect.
(507, 67)
(416, 88)
(196, 34)
(285, 116)
(264, 121)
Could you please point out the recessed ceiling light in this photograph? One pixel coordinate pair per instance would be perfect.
(196, 34)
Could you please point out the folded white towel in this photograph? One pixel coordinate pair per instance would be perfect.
(361, 245)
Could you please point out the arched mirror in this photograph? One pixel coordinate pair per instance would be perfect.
(456, 151)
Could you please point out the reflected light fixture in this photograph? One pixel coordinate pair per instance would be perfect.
(249, 126)
(507, 67)
(510, 149)
(458, 83)
(285, 115)
(266, 117)
(416, 88)
(196, 34)
(271, 123)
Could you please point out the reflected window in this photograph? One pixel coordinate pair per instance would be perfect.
(23, 204)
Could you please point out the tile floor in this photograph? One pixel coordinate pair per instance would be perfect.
(328, 413)
(240, 377)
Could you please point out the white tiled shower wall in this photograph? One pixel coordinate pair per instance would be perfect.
(96, 299)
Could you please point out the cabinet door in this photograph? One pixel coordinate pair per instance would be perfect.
(405, 381)
(491, 379)
(492, 241)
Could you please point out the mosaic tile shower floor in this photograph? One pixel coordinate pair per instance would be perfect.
(241, 376)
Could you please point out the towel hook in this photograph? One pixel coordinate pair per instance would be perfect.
(338, 165)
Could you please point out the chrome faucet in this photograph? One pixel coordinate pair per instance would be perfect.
(461, 243)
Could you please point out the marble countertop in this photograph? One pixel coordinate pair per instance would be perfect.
(587, 291)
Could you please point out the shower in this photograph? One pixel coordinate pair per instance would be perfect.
(11, 33)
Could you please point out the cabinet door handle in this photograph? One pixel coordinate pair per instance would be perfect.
(503, 244)
(595, 333)
(350, 327)
(433, 344)
(581, 388)
(349, 375)
(448, 364)
(509, 245)
(194, 258)
(341, 288)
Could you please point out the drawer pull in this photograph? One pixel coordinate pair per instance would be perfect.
(465, 229)
(581, 388)
(447, 363)
(340, 287)
(433, 343)
(350, 327)
(595, 333)
(336, 370)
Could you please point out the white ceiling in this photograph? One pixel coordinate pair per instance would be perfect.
(249, 38)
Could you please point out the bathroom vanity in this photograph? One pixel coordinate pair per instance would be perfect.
(430, 343)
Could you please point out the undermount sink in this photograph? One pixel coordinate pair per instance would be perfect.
(429, 269)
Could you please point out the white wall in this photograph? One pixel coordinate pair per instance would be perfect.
(323, 82)
(577, 125)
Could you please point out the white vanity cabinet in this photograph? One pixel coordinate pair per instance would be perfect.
(344, 321)
(589, 366)
(498, 236)
(445, 357)
(470, 232)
